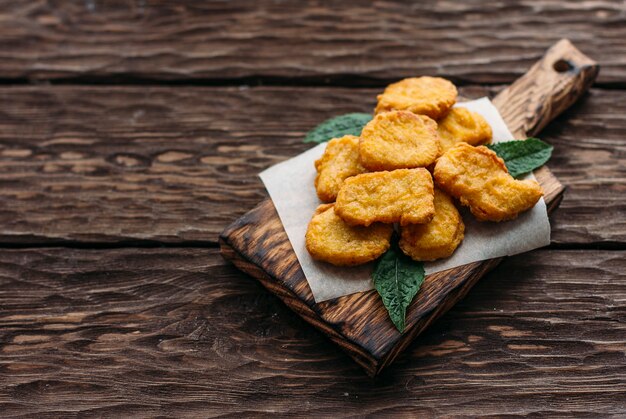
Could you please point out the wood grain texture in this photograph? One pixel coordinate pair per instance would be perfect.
(552, 85)
(175, 164)
(359, 323)
(177, 332)
(348, 42)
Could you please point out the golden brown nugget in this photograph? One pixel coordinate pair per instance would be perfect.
(463, 125)
(431, 96)
(339, 162)
(399, 140)
(481, 181)
(330, 239)
(404, 196)
(437, 239)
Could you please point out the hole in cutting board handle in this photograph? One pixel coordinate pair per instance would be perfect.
(561, 66)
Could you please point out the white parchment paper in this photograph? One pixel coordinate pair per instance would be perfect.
(290, 185)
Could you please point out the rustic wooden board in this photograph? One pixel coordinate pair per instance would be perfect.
(181, 332)
(359, 323)
(319, 42)
(176, 164)
(132, 332)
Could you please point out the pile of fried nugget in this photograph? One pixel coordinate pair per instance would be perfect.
(413, 162)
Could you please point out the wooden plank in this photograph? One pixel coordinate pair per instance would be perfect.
(590, 159)
(111, 164)
(178, 332)
(358, 323)
(258, 245)
(475, 42)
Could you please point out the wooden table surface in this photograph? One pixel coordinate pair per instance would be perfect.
(131, 134)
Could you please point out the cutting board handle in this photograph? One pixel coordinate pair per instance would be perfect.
(552, 85)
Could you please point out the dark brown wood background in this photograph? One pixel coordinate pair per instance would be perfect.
(131, 133)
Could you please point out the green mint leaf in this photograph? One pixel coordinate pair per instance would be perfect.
(348, 124)
(397, 278)
(523, 156)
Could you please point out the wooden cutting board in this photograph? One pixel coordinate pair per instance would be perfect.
(258, 245)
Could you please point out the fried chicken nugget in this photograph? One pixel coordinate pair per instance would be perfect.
(437, 239)
(403, 195)
(339, 162)
(463, 125)
(399, 140)
(430, 96)
(481, 181)
(330, 239)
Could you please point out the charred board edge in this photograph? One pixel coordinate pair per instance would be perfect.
(296, 304)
